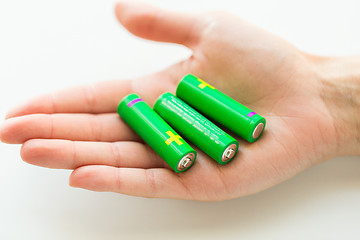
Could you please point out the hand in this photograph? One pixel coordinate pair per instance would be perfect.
(79, 128)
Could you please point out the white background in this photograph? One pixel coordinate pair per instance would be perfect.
(48, 45)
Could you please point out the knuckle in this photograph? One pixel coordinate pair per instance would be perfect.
(150, 177)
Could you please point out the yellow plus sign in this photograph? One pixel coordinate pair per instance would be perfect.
(172, 138)
(203, 84)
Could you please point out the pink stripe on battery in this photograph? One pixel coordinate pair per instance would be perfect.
(132, 102)
(251, 114)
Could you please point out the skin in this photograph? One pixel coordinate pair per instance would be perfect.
(311, 105)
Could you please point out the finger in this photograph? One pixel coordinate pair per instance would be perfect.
(152, 23)
(66, 154)
(154, 182)
(82, 127)
(104, 97)
(97, 98)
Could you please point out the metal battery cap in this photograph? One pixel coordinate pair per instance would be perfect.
(186, 162)
(258, 130)
(229, 153)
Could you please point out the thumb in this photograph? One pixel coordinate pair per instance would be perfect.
(156, 24)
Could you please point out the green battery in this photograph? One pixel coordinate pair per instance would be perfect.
(196, 128)
(221, 108)
(156, 132)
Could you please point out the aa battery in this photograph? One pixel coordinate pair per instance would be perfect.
(196, 128)
(156, 132)
(221, 108)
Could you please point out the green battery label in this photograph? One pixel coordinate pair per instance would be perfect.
(196, 128)
(156, 132)
(221, 108)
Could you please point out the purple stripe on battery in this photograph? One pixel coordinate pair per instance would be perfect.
(132, 102)
(251, 114)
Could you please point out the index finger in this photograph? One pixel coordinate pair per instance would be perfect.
(96, 98)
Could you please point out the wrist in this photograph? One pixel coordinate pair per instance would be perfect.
(340, 92)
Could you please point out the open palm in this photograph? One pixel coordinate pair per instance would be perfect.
(79, 128)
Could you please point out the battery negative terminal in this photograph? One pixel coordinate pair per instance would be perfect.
(258, 130)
